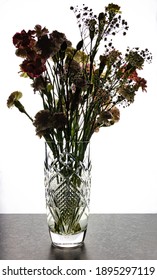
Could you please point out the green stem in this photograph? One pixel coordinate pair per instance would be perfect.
(21, 109)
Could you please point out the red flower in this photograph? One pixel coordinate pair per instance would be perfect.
(142, 83)
(33, 68)
(133, 76)
(24, 39)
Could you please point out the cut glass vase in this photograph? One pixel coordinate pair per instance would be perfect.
(67, 192)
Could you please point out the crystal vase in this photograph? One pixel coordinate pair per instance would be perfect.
(67, 191)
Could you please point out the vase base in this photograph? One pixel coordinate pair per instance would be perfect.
(69, 240)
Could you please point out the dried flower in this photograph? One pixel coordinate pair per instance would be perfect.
(40, 31)
(73, 69)
(135, 59)
(13, 100)
(45, 121)
(59, 120)
(33, 68)
(57, 39)
(24, 39)
(128, 93)
(115, 114)
(46, 46)
(42, 122)
(141, 82)
(108, 117)
(39, 83)
(113, 8)
(14, 96)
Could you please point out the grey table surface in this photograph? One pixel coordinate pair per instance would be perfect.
(109, 237)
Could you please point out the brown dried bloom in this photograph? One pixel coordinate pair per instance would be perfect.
(43, 121)
(73, 68)
(59, 120)
(128, 93)
(39, 83)
(104, 118)
(135, 59)
(40, 31)
(79, 80)
(102, 96)
(115, 114)
(113, 8)
(57, 39)
(107, 118)
(112, 56)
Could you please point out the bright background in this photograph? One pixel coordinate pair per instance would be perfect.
(124, 157)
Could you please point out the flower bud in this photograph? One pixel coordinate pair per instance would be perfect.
(79, 45)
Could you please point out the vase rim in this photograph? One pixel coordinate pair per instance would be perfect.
(64, 141)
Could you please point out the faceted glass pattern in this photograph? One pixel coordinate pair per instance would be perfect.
(67, 190)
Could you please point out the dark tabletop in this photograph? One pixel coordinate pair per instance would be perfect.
(109, 237)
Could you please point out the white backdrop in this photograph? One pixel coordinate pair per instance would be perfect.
(124, 157)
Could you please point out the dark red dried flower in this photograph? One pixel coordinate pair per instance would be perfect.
(33, 68)
(24, 39)
(46, 46)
